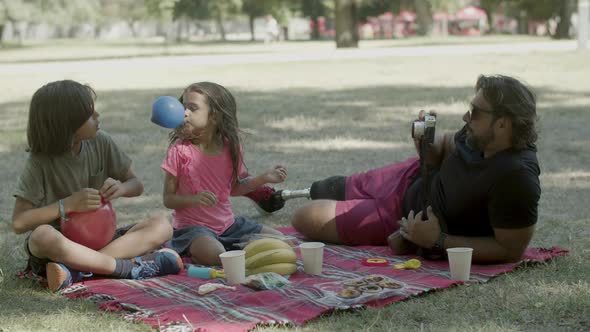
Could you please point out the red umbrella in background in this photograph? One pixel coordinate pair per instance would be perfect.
(386, 21)
(404, 24)
(469, 21)
(471, 13)
(407, 16)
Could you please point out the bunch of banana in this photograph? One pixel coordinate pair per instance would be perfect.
(270, 255)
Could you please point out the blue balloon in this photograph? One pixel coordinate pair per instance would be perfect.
(167, 112)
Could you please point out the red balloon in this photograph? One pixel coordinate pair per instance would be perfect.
(93, 229)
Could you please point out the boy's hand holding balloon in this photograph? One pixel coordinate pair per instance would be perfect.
(87, 199)
(94, 222)
(112, 189)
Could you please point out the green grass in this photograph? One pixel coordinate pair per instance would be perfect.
(324, 118)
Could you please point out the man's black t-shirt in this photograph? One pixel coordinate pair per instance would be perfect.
(473, 195)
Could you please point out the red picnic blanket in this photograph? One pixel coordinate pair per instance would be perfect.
(172, 302)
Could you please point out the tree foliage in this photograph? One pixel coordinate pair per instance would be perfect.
(218, 10)
(279, 9)
(66, 13)
(378, 7)
(314, 9)
(16, 10)
(161, 9)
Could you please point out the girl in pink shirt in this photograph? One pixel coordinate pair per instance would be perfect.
(203, 167)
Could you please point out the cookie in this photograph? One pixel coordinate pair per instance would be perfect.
(389, 284)
(373, 279)
(370, 289)
(349, 293)
(354, 283)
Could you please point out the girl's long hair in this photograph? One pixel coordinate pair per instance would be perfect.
(223, 108)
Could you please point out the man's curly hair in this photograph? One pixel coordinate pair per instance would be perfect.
(511, 98)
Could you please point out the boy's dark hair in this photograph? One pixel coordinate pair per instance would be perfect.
(509, 97)
(57, 110)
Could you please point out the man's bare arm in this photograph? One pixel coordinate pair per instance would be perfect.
(507, 245)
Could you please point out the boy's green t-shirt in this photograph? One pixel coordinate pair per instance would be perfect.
(47, 179)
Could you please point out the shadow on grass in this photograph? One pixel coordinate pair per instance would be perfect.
(21, 297)
(316, 133)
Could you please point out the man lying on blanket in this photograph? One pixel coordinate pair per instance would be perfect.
(483, 188)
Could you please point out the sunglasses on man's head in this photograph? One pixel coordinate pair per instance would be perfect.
(475, 112)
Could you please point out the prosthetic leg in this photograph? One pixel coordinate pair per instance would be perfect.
(330, 188)
(290, 194)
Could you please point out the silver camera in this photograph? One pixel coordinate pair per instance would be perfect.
(424, 129)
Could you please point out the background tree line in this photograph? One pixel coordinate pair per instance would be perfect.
(346, 14)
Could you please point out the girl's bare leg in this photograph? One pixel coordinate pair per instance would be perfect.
(205, 250)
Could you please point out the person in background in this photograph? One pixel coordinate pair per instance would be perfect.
(271, 27)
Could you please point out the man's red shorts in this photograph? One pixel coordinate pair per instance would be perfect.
(374, 203)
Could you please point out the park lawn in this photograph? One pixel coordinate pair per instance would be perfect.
(325, 118)
(75, 49)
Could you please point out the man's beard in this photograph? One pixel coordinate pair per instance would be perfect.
(479, 142)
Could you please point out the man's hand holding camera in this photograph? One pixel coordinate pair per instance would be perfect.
(423, 233)
(423, 129)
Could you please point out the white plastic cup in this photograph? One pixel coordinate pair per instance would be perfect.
(234, 266)
(460, 263)
(313, 257)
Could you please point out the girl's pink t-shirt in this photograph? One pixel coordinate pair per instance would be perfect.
(196, 172)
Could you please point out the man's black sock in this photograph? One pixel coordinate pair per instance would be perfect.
(333, 187)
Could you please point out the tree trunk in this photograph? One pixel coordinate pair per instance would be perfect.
(346, 31)
(132, 27)
(315, 32)
(179, 30)
(314, 8)
(583, 22)
(1, 32)
(220, 26)
(424, 17)
(523, 22)
(251, 22)
(565, 13)
(18, 28)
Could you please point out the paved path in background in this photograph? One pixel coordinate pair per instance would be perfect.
(281, 57)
